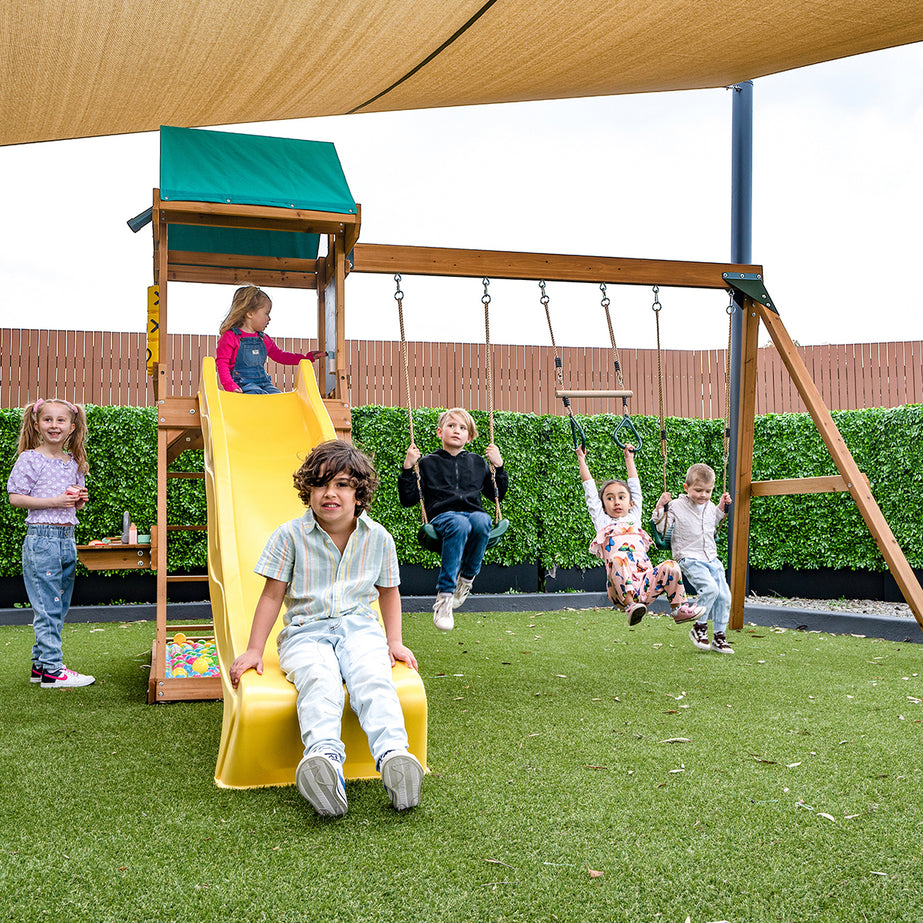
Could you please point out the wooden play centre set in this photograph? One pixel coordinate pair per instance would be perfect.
(237, 209)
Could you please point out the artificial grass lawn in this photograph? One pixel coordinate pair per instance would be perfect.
(580, 771)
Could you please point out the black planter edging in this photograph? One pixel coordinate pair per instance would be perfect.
(871, 626)
(95, 590)
(827, 583)
(417, 580)
(201, 611)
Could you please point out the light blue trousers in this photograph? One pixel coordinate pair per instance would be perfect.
(713, 591)
(49, 558)
(319, 658)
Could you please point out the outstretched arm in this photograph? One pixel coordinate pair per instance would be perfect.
(581, 464)
(267, 611)
(630, 468)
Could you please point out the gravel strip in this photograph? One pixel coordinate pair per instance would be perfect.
(859, 606)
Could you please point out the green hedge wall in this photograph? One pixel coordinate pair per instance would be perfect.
(545, 505)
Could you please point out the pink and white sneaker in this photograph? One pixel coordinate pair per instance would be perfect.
(65, 679)
(687, 612)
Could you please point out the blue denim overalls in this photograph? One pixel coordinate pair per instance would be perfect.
(250, 365)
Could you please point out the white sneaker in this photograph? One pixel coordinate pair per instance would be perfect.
(462, 589)
(320, 781)
(442, 612)
(402, 776)
(65, 679)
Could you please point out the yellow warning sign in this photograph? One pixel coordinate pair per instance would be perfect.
(153, 326)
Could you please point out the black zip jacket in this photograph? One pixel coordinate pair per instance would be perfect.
(450, 482)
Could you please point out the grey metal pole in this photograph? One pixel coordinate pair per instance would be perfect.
(741, 252)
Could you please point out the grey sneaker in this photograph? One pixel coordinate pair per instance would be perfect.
(320, 781)
(462, 589)
(720, 644)
(698, 634)
(402, 776)
(442, 612)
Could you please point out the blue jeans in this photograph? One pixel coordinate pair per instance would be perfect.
(464, 541)
(318, 658)
(714, 593)
(49, 558)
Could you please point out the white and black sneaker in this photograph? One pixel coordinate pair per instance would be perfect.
(720, 644)
(65, 679)
(698, 634)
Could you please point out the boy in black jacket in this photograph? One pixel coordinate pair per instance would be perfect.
(453, 481)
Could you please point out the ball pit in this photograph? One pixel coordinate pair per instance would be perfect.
(192, 657)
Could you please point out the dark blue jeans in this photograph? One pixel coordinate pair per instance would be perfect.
(464, 541)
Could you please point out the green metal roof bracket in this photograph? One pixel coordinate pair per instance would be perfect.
(751, 285)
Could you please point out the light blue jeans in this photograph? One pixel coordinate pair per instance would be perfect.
(464, 541)
(49, 558)
(319, 658)
(714, 592)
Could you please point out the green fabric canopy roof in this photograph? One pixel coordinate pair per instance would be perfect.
(225, 167)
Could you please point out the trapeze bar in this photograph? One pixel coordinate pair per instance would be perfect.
(594, 393)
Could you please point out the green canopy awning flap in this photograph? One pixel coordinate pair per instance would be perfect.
(221, 166)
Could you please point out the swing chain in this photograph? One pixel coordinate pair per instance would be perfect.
(656, 307)
(398, 294)
(605, 302)
(544, 299)
(485, 298)
(730, 309)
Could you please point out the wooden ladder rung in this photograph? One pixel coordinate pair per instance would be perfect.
(187, 578)
(185, 474)
(187, 528)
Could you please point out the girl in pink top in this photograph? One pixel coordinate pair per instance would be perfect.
(48, 481)
(243, 347)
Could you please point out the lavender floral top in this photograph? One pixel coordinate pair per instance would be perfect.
(37, 475)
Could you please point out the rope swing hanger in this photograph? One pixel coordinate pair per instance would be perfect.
(626, 427)
(662, 541)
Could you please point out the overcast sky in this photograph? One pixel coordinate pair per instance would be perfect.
(838, 196)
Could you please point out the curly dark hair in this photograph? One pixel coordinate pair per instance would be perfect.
(329, 459)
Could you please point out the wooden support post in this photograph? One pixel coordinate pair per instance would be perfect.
(161, 264)
(746, 418)
(335, 316)
(855, 480)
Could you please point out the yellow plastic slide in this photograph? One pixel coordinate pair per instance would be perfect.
(253, 446)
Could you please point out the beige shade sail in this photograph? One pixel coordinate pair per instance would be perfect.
(82, 68)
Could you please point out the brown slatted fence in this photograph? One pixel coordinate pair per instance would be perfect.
(102, 367)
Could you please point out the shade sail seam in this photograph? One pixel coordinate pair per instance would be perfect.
(458, 33)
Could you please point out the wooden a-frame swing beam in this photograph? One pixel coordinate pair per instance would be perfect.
(552, 267)
(757, 306)
(746, 280)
